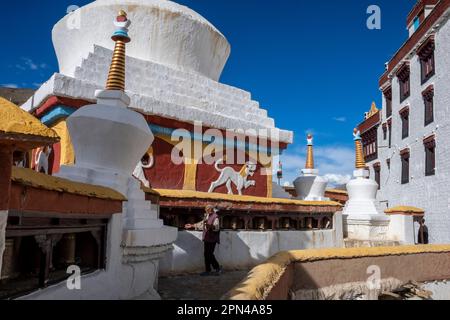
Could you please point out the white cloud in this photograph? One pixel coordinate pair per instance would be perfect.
(10, 85)
(337, 179)
(340, 119)
(29, 64)
(336, 163)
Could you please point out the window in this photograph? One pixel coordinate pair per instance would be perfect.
(377, 172)
(384, 131)
(388, 98)
(428, 96)
(404, 83)
(370, 144)
(405, 166)
(426, 56)
(388, 163)
(404, 115)
(430, 160)
(390, 133)
(416, 23)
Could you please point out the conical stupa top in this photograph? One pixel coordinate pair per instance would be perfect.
(116, 76)
(310, 153)
(359, 161)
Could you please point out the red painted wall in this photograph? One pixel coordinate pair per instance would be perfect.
(165, 174)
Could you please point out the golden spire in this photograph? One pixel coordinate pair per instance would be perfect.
(116, 76)
(360, 162)
(373, 110)
(310, 154)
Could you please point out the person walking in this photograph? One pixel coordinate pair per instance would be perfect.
(210, 226)
(423, 233)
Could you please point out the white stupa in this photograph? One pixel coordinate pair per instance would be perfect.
(363, 219)
(310, 186)
(109, 139)
(163, 32)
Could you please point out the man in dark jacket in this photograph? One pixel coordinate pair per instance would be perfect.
(210, 226)
(423, 233)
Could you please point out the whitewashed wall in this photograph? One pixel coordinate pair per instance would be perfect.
(245, 249)
(430, 193)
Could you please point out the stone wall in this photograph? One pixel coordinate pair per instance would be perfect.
(431, 193)
(305, 274)
(245, 249)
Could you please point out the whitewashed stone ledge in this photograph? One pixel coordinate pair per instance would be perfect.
(65, 86)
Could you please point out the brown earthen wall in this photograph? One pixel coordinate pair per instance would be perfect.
(417, 267)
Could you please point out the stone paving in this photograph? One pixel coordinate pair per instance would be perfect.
(194, 287)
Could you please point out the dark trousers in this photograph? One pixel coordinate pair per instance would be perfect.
(210, 259)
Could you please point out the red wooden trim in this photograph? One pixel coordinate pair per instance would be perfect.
(427, 48)
(54, 101)
(430, 141)
(369, 123)
(248, 207)
(418, 10)
(428, 92)
(425, 26)
(404, 111)
(30, 199)
(6, 161)
(405, 152)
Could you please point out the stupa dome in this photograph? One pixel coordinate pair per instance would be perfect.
(163, 32)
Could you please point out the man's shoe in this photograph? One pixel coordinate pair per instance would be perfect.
(218, 271)
(205, 274)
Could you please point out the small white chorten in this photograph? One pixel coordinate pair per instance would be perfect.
(109, 139)
(363, 219)
(310, 186)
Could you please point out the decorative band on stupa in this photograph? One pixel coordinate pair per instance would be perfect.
(309, 153)
(116, 76)
(360, 163)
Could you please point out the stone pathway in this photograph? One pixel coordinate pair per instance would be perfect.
(194, 287)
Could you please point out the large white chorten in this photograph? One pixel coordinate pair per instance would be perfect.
(163, 32)
(173, 66)
(363, 219)
(310, 186)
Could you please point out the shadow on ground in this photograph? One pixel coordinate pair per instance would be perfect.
(194, 287)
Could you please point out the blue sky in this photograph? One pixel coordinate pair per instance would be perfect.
(313, 64)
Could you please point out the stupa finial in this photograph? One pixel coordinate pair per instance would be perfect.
(360, 162)
(116, 76)
(309, 154)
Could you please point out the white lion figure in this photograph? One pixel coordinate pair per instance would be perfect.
(239, 179)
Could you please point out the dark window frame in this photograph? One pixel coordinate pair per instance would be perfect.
(370, 144)
(377, 174)
(430, 156)
(428, 99)
(427, 60)
(404, 116)
(388, 99)
(404, 80)
(390, 133)
(405, 157)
